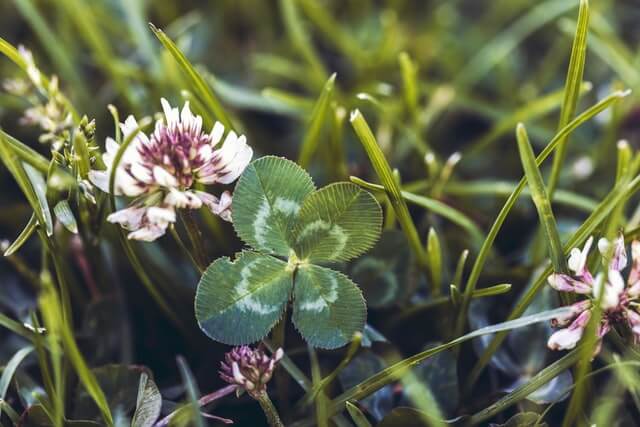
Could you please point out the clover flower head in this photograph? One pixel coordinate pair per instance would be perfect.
(161, 170)
(616, 298)
(249, 369)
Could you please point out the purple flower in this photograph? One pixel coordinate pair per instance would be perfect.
(249, 369)
(161, 170)
(613, 295)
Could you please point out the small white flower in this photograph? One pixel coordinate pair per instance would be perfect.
(161, 170)
(578, 258)
(567, 338)
(616, 298)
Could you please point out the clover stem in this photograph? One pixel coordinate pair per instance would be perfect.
(269, 410)
(184, 248)
(195, 236)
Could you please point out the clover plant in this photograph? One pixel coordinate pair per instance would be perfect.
(293, 231)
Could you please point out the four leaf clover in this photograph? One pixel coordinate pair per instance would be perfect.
(291, 227)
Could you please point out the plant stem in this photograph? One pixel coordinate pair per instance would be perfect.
(195, 237)
(269, 410)
(185, 249)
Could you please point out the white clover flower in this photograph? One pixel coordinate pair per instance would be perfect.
(161, 169)
(614, 295)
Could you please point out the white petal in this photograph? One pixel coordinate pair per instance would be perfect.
(578, 258)
(100, 179)
(161, 216)
(141, 173)
(183, 199)
(148, 233)
(171, 114)
(239, 163)
(129, 218)
(163, 178)
(216, 133)
(112, 146)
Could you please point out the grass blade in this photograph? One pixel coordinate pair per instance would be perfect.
(508, 205)
(540, 199)
(520, 393)
(618, 195)
(318, 118)
(10, 369)
(357, 416)
(40, 190)
(390, 185)
(571, 89)
(397, 370)
(197, 83)
(432, 205)
(24, 235)
(300, 40)
(192, 393)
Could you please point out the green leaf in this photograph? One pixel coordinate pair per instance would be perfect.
(571, 89)
(434, 256)
(193, 407)
(148, 403)
(40, 190)
(492, 291)
(318, 118)
(198, 85)
(390, 184)
(524, 419)
(328, 307)
(357, 416)
(24, 235)
(266, 202)
(63, 212)
(10, 369)
(540, 199)
(239, 302)
(398, 369)
(337, 223)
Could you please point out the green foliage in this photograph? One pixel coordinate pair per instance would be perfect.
(277, 211)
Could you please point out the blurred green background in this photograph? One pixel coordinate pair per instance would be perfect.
(432, 78)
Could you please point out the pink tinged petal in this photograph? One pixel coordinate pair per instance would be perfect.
(633, 291)
(614, 250)
(237, 375)
(183, 199)
(216, 133)
(578, 258)
(634, 274)
(567, 338)
(633, 318)
(148, 233)
(164, 178)
(613, 289)
(129, 218)
(224, 207)
(565, 283)
(575, 309)
(619, 259)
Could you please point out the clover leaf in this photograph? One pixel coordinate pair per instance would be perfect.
(278, 212)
